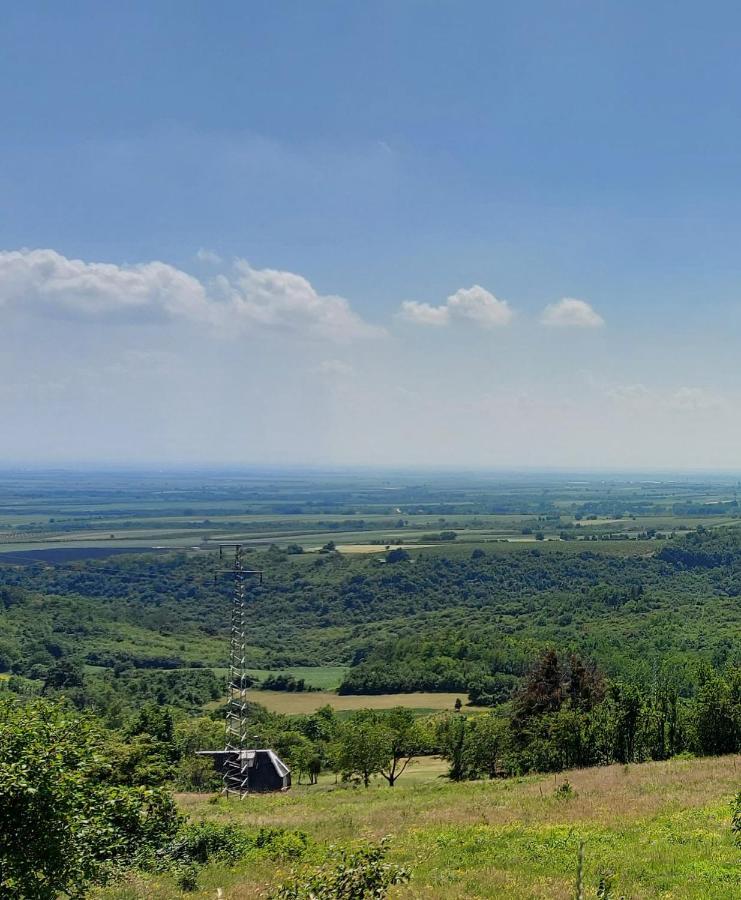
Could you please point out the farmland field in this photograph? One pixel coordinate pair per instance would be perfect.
(360, 514)
(309, 701)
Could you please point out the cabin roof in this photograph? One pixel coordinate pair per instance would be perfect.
(280, 767)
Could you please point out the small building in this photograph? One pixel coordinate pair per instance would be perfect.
(265, 770)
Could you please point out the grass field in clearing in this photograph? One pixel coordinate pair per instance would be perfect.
(662, 828)
(309, 701)
(327, 678)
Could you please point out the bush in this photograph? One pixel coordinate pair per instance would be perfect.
(65, 825)
(198, 843)
(564, 791)
(284, 681)
(397, 555)
(359, 874)
(197, 774)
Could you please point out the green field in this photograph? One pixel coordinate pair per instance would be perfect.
(663, 829)
(324, 678)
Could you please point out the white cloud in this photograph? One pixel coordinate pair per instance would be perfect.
(571, 313)
(480, 306)
(287, 301)
(245, 298)
(475, 304)
(423, 313)
(47, 280)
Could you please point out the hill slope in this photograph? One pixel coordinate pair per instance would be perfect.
(663, 829)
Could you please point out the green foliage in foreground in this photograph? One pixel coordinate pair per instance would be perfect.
(350, 874)
(69, 824)
(65, 822)
(71, 819)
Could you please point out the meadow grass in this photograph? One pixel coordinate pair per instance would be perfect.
(662, 828)
(326, 678)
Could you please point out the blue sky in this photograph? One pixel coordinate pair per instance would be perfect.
(364, 226)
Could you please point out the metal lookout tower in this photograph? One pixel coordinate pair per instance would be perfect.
(236, 761)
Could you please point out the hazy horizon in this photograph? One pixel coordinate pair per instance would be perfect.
(235, 470)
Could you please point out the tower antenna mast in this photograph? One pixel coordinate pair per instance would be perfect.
(236, 766)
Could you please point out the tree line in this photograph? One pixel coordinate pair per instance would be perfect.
(566, 714)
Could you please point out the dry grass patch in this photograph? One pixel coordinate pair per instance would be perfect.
(308, 702)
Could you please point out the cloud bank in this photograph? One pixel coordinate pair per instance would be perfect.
(241, 299)
(245, 298)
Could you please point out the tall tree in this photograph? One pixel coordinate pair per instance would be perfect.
(364, 747)
(405, 740)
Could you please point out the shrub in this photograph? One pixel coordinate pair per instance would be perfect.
(350, 874)
(564, 791)
(198, 843)
(64, 824)
(397, 555)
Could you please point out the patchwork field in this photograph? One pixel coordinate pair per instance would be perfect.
(103, 512)
(661, 830)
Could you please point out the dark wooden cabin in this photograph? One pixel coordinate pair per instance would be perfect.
(266, 771)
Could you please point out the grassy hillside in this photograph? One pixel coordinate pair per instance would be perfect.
(663, 829)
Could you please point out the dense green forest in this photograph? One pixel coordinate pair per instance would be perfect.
(442, 618)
